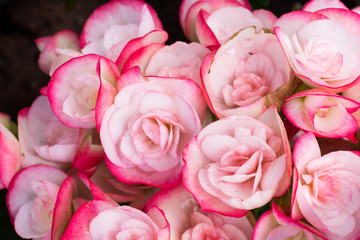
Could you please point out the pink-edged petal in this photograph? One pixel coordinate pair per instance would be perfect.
(204, 33)
(315, 5)
(347, 18)
(79, 225)
(63, 208)
(291, 22)
(41, 42)
(9, 157)
(89, 150)
(108, 74)
(65, 39)
(266, 17)
(158, 216)
(131, 76)
(155, 36)
(204, 74)
(294, 111)
(306, 149)
(142, 56)
(136, 175)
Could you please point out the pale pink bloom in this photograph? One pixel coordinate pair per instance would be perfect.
(31, 199)
(96, 220)
(146, 128)
(216, 28)
(10, 152)
(238, 163)
(322, 47)
(242, 71)
(322, 112)
(189, 11)
(275, 225)
(43, 138)
(187, 220)
(114, 24)
(50, 45)
(179, 60)
(73, 89)
(326, 189)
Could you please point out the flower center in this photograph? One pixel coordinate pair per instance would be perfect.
(320, 57)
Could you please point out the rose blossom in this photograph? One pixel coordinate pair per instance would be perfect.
(187, 221)
(43, 138)
(144, 132)
(275, 225)
(326, 189)
(96, 220)
(73, 89)
(322, 47)
(242, 71)
(238, 163)
(31, 199)
(114, 24)
(322, 112)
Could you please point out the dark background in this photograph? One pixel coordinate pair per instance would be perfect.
(21, 21)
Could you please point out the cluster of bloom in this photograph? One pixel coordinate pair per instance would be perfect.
(135, 139)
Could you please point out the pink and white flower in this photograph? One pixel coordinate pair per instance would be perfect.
(322, 47)
(242, 71)
(105, 220)
(43, 138)
(322, 112)
(51, 47)
(275, 225)
(31, 199)
(326, 189)
(238, 163)
(114, 24)
(146, 128)
(73, 89)
(187, 220)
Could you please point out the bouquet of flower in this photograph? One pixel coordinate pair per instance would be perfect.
(247, 131)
